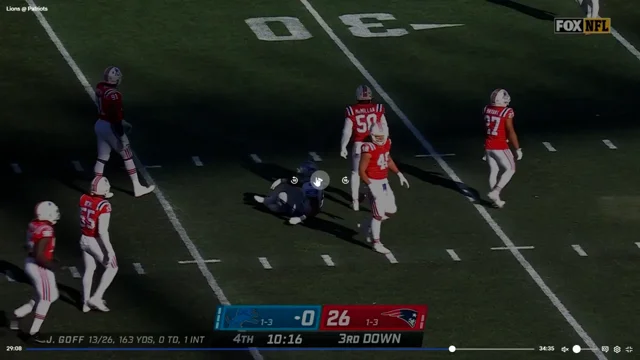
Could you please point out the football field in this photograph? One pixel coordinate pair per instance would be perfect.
(225, 97)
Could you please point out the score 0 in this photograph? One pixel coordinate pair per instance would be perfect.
(338, 318)
(308, 318)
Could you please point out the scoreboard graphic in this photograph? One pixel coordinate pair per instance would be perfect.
(279, 327)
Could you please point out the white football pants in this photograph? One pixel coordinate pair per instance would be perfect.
(383, 201)
(43, 279)
(107, 141)
(92, 253)
(500, 161)
(355, 169)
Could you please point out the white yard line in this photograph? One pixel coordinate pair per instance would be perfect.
(479, 208)
(315, 156)
(16, 168)
(638, 244)
(549, 146)
(609, 144)
(579, 250)
(392, 259)
(77, 166)
(209, 261)
(196, 160)
(74, 272)
(453, 255)
(265, 263)
(513, 248)
(256, 159)
(327, 260)
(139, 268)
(168, 208)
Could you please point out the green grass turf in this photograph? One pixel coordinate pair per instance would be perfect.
(198, 82)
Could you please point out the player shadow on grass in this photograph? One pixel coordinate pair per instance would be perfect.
(436, 178)
(340, 231)
(72, 181)
(67, 294)
(525, 9)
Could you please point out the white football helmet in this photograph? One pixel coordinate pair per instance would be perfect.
(100, 186)
(379, 133)
(112, 75)
(500, 97)
(47, 211)
(363, 93)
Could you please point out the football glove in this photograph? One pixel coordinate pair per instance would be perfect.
(403, 180)
(519, 154)
(344, 153)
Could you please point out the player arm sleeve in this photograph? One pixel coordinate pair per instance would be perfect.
(346, 133)
(103, 231)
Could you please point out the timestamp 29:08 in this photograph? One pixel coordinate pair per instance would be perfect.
(287, 339)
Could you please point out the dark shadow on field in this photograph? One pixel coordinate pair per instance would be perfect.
(525, 9)
(67, 294)
(438, 179)
(340, 231)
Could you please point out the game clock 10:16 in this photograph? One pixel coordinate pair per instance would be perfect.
(320, 339)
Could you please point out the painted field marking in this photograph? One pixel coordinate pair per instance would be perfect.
(16, 168)
(638, 244)
(430, 156)
(432, 26)
(74, 272)
(609, 144)
(327, 260)
(139, 268)
(209, 261)
(549, 146)
(196, 160)
(77, 166)
(392, 259)
(256, 159)
(9, 276)
(579, 250)
(453, 255)
(513, 248)
(445, 166)
(166, 206)
(265, 263)
(315, 156)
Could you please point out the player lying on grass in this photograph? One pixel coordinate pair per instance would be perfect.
(297, 203)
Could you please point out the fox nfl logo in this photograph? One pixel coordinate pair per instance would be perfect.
(582, 26)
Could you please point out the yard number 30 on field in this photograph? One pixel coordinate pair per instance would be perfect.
(297, 31)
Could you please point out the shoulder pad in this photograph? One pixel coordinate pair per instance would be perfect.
(348, 111)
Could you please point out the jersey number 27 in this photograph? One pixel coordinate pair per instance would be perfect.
(383, 161)
(365, 122)
(86, 218)
(493, 124)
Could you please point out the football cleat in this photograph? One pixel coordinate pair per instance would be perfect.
(495, 197)
(364, 93)
(98, 304)
(378, 247)
(500, 97)
(258, 199)
(37, 338)
(140, 190)
(14, 324)
(85, 307)
(47, 211)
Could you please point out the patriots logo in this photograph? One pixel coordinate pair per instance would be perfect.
(407, 315)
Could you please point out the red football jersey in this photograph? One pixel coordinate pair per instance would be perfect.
(91, 207)
(109, 103)
(378, 167)
(495, 118)
(37, 231)
(362, 117)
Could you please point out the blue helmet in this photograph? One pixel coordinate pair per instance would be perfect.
(306, 170)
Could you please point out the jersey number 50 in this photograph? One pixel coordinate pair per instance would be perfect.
(365, 122)
(493, 124)
(86, 218)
